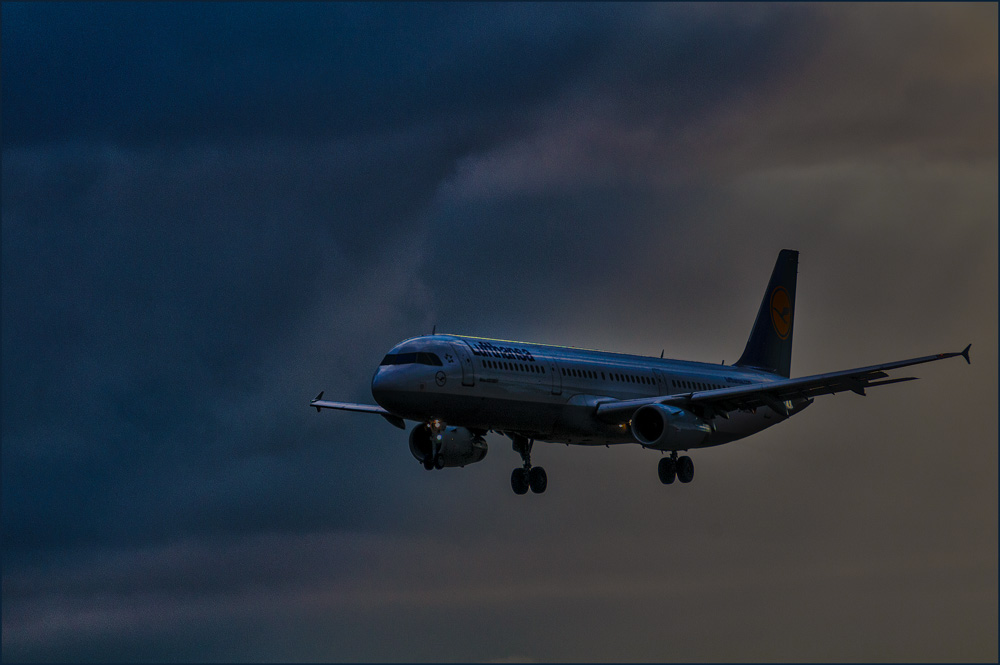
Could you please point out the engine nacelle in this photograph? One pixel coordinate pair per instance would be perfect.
(668, 427)
(455, 446)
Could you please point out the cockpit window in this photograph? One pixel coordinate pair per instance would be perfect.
(421, 358)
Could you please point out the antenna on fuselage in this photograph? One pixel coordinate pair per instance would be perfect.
(434, 328)
(661, 353)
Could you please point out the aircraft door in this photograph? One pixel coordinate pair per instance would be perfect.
(465, 360)
(661, 383)
(556, 376)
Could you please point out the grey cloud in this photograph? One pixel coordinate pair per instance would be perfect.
(257, 229)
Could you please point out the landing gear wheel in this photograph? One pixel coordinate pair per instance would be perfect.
(519, 481)
(525, 477)
(537, 479)
(428, 463)
(685, 469)
(438, 462)
(667, 470)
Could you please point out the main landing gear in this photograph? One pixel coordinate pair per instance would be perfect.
(671, 467)
(527, 476)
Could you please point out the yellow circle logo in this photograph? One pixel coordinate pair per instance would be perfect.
(781, 312)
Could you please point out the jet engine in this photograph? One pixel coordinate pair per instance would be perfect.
(666, 427)
(453, 446)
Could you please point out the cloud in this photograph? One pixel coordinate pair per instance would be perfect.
(205, 227)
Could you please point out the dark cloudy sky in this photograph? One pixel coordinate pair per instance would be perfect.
(213, 212)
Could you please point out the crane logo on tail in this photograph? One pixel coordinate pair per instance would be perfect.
(781, 312)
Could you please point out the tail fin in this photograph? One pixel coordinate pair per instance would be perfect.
(770, 344)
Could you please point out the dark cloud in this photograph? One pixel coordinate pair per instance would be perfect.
(210, 213)
(210, 71)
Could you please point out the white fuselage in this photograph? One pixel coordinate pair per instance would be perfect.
(549, 393)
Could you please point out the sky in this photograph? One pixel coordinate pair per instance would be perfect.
(211, 212)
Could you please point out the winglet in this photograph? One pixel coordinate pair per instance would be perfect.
(965, 354)
(318, 398)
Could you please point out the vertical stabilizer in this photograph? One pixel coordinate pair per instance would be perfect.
(770, 344)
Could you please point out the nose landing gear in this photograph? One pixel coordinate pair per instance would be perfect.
(527, 476)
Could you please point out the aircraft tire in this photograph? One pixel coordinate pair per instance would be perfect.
(667, 470)
(519, 481)
(685, 469)
(428, 463)
(537, 479)
(438, 462)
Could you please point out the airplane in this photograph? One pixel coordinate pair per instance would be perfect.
(459, 388)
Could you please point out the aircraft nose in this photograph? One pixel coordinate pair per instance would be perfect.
(383, 383)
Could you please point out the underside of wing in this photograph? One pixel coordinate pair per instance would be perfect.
(773, 393)
(320, 403)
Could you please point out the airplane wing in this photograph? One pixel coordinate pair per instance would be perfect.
(773, 393)
(319, 403)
